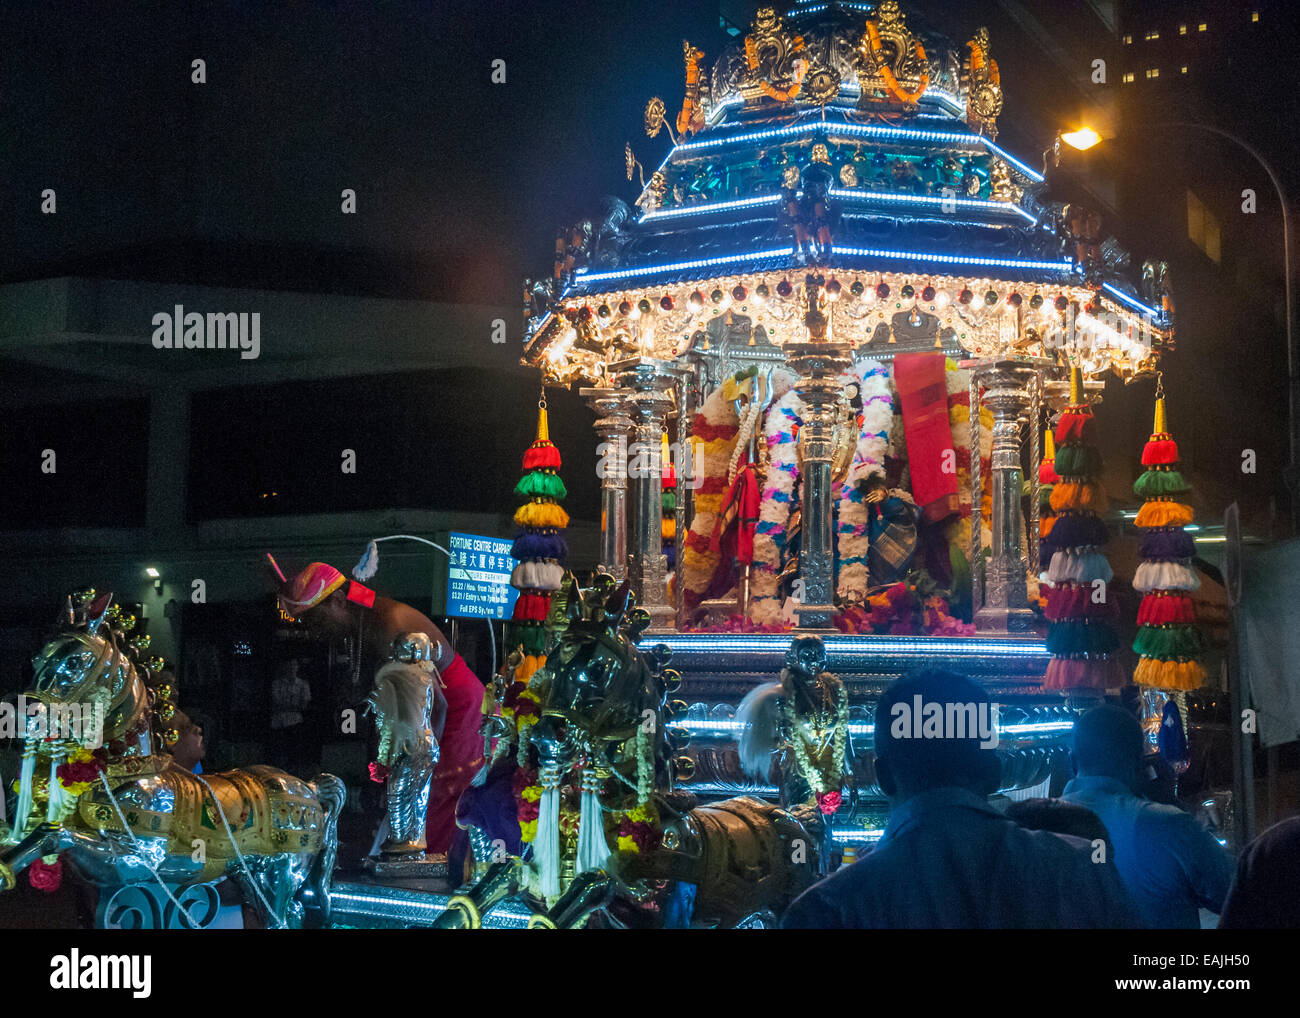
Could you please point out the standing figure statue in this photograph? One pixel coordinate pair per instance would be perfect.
(403, 702)
(802, 724)
(806, 206)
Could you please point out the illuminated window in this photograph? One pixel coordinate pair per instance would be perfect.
(1128, 40)
(1203, 228)
(1254, 16)
(1153, 72)
(1182, 29)
(1183, 69)
(1202, 27)
(1152, 35)
(1128, 77)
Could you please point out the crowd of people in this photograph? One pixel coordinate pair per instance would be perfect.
(1104, 855)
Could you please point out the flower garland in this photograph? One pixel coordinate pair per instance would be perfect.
(770, 536)
(713, 441)
(887, 73)
(828, 800)
(82, 770)
(854, 539)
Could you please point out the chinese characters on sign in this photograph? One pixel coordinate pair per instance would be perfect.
(478, 577)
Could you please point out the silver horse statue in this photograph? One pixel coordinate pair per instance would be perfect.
(127, 816)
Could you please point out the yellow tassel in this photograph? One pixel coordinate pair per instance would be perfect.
(1049, 448)
(1169, 674)
(541, 515)
(1161, 427)
(668, 530)
(1162, 514)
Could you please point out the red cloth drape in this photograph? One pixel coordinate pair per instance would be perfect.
(923, 393)
(461, 753)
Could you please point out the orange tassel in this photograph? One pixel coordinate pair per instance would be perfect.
(1045, 525)
(1072, 495)
(1163, 514)
(1169, 674)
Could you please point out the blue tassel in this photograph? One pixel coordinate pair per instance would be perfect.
(1172, 741)
(539, 545)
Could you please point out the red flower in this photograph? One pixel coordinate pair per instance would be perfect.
(46, 876)
(828, 802)
(378, 773)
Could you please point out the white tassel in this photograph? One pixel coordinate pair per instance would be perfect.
(533, 575)
(1078, 567)
(26, 774)
(546, 845)
(1165, 576)
(369, 564)
(593, 849)
(54, 806)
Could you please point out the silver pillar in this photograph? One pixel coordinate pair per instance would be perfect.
(818, 365)
(1006, 385)
(613, 423)
(652, 383)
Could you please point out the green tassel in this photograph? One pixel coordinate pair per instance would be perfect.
(1169, 643)
(1068, 638)
(1078, 461)
(669, 501)
(541, 484)
(1155, 483)
(533, 638)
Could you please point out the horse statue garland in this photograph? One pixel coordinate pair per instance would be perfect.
(122, 814)
(577, 811)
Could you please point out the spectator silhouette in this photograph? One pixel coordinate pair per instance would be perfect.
(948, 859)
(1265, 894)
(1170, 864)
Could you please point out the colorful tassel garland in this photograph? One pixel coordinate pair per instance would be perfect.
(1163, 514)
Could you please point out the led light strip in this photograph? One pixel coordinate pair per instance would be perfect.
(864, 130)
(713, 726)
(1065, 265)
(707, 208)
(880, 645)
(1132, 302)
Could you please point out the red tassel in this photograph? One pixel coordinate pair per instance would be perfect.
(531, 608)
(1074, 427)
(1070, 601)
(1160, 452)
(1083, 673)
(1047, 473)
(541, 455)
(1166, 609)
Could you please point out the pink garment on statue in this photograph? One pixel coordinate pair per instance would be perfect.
(461, 752)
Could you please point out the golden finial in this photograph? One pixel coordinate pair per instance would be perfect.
(543, 427)
(1161, 425)
(1076, 385)
(1049, 446)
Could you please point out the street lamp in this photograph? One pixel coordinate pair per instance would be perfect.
(1086, 137)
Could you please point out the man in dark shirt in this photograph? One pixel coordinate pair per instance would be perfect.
(1265, 893)
(947, 858)
(1171, 866)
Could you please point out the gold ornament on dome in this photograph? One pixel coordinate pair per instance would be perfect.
(849, 175)
(891, 60)
(774, 59)
(821, 85)
(654, 116)
(983, 86)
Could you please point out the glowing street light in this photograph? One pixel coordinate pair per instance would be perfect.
(1082, 139)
